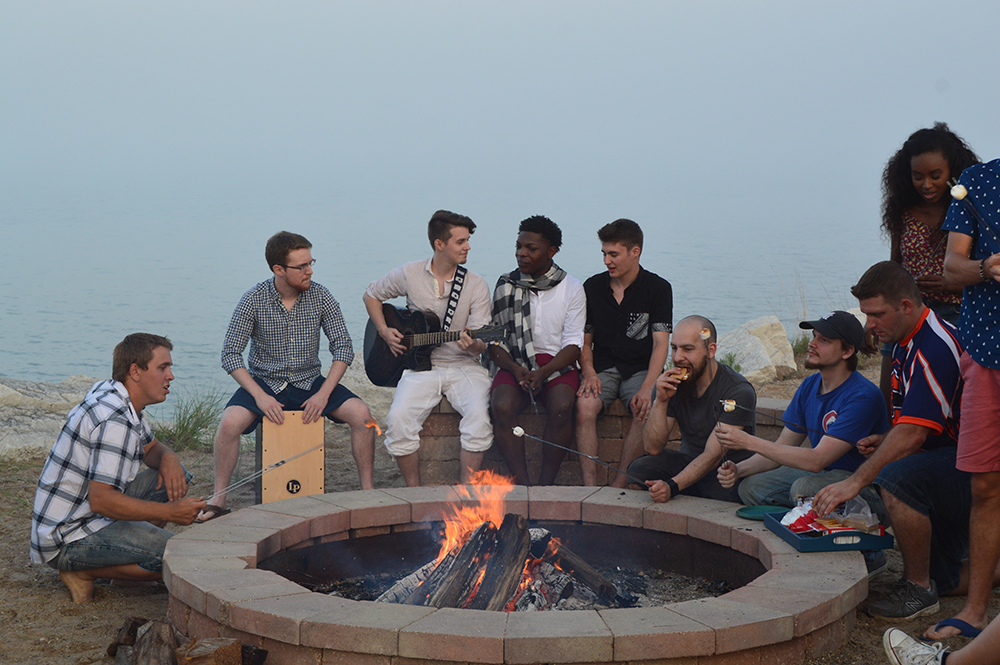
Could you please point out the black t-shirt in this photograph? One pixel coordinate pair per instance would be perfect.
(697, 417)
(623, 333)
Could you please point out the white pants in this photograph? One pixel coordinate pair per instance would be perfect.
(468, 390)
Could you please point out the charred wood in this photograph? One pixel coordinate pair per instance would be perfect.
(505, 567)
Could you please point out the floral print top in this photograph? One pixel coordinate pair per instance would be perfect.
(922, 255)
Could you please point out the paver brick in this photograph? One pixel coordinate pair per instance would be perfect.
(210, 548)
(362, 627)
(293, 529)
(322, 517)
(191, 586)
(201, 627)
(334, 657)
(515, 501)
(218, 601)
(198, 563)
(656, 632)
(557, 503)
(268, 541)
(557, 637)
(370, 507)
(280, 618)
(286, 654)
(429, 503)
(610, 505)
(812, 609)
(455, 635)
(738, 626)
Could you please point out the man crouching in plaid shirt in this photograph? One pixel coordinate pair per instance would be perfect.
(97, 515)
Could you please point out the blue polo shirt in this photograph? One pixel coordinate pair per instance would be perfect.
(979, 324)
(850, 412)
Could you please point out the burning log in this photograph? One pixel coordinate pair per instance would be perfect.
(504, 569)
(571, 562)
(459, 563)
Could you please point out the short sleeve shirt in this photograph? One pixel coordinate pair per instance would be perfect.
(697, 417)
(849, 412)
(979, 324)
(926, 381)
(623, 332)
(103, 440)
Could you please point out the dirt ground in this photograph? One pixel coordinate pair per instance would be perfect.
(40, 625)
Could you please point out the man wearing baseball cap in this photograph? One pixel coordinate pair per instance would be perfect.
(837, 409)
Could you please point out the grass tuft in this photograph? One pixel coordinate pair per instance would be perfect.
(730, 360)
(800, 345)
(196, 417)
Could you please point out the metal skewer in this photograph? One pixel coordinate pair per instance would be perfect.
(254, 476)
(520, 432)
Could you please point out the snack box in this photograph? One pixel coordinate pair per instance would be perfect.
(832, 542)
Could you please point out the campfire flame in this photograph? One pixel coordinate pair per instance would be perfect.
(371, 423)
(482, 501)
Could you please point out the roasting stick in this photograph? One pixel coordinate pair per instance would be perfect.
(520, 432)
(734, 405)
(254, 476)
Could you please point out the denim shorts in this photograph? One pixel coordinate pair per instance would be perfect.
(291, 399)
(122, 542)
(929, 483)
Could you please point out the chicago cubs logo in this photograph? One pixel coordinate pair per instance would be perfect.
(829, 419)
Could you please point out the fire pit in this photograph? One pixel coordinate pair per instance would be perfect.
(791, 606)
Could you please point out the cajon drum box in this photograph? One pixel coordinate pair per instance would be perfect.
(299, 477)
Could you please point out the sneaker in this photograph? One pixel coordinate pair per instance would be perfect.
(875, 561)
(906, 601)
(904, 650)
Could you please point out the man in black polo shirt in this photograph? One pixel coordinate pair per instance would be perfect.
(625, 343)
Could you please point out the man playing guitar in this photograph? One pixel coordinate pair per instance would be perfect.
(456, 372)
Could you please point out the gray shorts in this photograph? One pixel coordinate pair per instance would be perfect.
(612, 386)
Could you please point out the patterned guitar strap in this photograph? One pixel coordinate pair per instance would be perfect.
(458, 281)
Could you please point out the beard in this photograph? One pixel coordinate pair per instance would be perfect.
(689, 386)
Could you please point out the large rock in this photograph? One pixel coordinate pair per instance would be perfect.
(33, 412)
(760, 348)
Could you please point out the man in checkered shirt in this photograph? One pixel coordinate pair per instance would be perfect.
(97, 513)
(281, 318)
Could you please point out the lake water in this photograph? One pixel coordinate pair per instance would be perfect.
(81, 272)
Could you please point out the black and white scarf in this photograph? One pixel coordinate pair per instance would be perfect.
(512, 310)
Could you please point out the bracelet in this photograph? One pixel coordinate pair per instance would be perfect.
(982, 270)
(674, 489)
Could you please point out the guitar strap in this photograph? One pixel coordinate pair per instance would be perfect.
(458, 281)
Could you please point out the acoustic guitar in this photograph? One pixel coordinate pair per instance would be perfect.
(421, 333)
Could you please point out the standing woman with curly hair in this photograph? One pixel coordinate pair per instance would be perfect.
(915, 198)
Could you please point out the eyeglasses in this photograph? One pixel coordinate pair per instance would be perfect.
(301, 267)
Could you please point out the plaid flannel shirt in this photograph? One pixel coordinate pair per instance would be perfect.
(284, 345)
(103, 440)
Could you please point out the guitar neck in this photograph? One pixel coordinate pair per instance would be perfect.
(427, 339)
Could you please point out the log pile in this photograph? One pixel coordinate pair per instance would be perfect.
(141, 642)
(509, 568)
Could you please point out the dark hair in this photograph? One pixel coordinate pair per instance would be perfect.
(623, 231)
(898, 192)
(544, 227)
(852, 362)
(889, 280)
(137, 349)
(439, 228)
(280, 244)
(704, 324)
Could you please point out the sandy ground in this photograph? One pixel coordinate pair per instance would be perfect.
(40, 625)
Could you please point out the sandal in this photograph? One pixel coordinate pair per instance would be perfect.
(213, 511)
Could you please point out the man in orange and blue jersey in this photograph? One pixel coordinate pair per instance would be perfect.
(927, 498)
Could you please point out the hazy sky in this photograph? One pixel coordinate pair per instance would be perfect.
(713, 124)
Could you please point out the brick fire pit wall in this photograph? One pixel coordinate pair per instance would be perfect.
(803, 606)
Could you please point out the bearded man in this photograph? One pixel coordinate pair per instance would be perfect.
(690, 396)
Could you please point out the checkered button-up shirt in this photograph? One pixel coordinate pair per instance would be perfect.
(284, 344)
(103, 440)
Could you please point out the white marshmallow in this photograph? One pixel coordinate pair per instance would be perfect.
(518, 431)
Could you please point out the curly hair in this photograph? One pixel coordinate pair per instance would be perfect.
(898, 192)
(544, 227)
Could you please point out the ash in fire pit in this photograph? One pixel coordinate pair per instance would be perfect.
(482, 573)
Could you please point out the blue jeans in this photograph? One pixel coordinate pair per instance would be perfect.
(929, 483)
(784, 485)
(122, 542)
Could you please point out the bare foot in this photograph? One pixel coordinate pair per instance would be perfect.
(81, 588)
